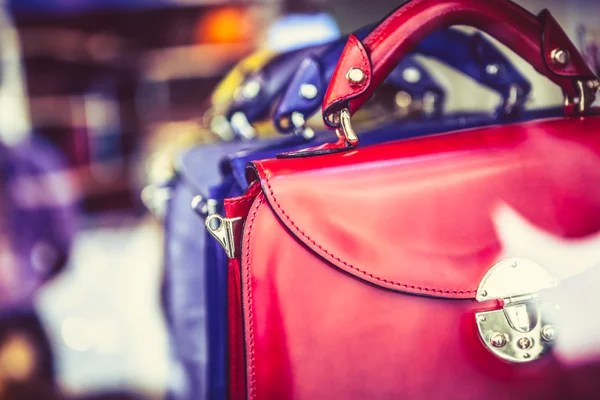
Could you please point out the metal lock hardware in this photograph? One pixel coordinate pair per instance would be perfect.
(519, 332)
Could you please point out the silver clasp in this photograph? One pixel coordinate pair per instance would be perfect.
(520, 331)
(226, 231)
(345, 131)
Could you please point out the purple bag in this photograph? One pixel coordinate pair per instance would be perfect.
(37, 219)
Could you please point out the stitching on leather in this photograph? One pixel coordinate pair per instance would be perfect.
(252, 373)
(362, 272)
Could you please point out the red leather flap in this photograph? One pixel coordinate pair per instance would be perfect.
(415, 215)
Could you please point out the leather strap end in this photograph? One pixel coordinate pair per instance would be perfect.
(338, 96)
(555, 38)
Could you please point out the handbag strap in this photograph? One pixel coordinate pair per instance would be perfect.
(538, 40)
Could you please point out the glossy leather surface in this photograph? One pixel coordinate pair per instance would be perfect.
(212, 267)
(235, 164)
(368, 291)
(470, 54)
(196, 264)
(533, 38)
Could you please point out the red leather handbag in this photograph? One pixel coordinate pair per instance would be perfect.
(376, 272)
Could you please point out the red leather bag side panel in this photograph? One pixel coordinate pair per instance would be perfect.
(237, 358)
(234, 208)
(315, 332)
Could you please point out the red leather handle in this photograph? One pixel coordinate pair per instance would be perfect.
(535, 39)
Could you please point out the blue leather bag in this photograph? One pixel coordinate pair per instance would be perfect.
(470, 54)
(195, 274)
(255, 98)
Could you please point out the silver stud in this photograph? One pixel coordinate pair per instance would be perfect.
(251, 89)
(411, 75)
(308, 91)
(492, 69)
(297, 119)
(402, 99)
(548, 333)
(498, 340)
(199, 205)
(356, 76)
(524, 343)
(560, 57)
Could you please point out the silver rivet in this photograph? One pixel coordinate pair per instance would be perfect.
(199, 205)
(308, 91)
(548, 333)
(402, 99)
(498, 340)
(492, 69)
(251, 89)
(484, 293)
(524, 343)
(308, 133)
(411, 75)
(560, 57)
(356, 76)
(297, 119)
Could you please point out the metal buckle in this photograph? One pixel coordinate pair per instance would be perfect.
(520, 331)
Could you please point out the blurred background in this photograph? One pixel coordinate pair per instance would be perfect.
(111, 86)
